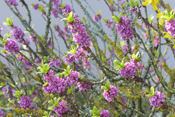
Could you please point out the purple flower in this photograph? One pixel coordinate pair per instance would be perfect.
(123, 100)
(125, 48)
(0, 29)
(56, 62)
(86, 64)
(170, 27)
(54, 13)
(110, 22)
(18, 35)
(156, 41)
(12, 46)
(2, 113)
(79, 54)
(20, 58)
(111, 94)
(4, 89)
(70, 59)
(62, 108)
(112, 8)
(37, 61)
(145, 36)
(129, 70)
(12, 2)
(97, 17)
(144, 25)
(131, 10)
(140, 65)
(83, 87)
(73, 77)
(124, 28)
(157, 99)
(49, 88)
(104, 113)
(25, 102)
(56, 9)
(67, 9)
(60, 84)
(121, 3)
(156, 79)
(36, 6)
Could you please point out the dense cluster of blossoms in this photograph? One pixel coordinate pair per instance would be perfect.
(56, 62)
(56, 7)
(2, 113)
(124, 28)
(104, 113)
(62, 108)
(111, 94)
(11, 46)
(73, 77)
(18, 34)
(129, 70)
(25, 102)
(10, 90)
(157, 99)
(67, 9)
(12, 2)
(170, 27)
(83, 86)
(54, 83)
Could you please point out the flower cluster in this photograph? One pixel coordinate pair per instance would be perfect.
(67, 9)
(156, 41)
(124, 28)
(73, 77)
(111, 94)
(125, 47)
(83, 87)
(97, 17)
(157, 99)
(11, 90)
(54, 83)
(62, 108)
(170, 27)
(25, 102)
(129, 70)
(12, 2)
(104, 113)
(109, 23)
(56, 7)
(18, 34)
(2, 113)
(12, 46)
(55, 62)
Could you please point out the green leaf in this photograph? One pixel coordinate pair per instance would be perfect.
(105, 20)
(51, 108)
(107, 85)
(152, 90)
(118, 65)
(117, 19)
(51, 101)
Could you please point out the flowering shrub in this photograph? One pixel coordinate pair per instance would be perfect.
(103, 72)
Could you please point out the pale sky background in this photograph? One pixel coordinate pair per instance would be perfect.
(39, 23)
